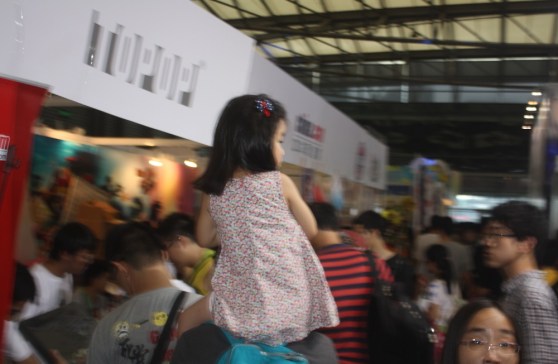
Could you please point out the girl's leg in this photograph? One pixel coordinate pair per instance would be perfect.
(195, 315)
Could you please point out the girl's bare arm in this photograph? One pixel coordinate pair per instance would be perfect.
(205, 227)
(299, 208)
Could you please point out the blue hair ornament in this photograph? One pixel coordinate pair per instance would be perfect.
(264, 106)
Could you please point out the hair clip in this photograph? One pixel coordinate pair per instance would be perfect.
(264, 106)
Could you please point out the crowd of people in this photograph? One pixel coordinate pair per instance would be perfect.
(259, 265)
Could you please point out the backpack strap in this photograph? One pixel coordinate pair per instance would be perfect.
(163, 343)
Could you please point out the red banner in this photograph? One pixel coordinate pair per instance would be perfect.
(19, 107)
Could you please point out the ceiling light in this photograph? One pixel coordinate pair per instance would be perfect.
(536, 93)
(531, 108)
(526, 127)
(533, 103)
(155, 163)
(191, 164)
(528, 116)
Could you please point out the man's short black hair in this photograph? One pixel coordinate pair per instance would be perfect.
(371, 220)
(443, 223)
(325, 215)
(24, 285)
(176, 224)
(134, 243)
(524, 220)
(72, 238)
(95, 270)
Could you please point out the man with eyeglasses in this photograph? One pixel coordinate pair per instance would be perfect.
(511, 236)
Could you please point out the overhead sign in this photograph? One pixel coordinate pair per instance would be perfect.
(169, 64)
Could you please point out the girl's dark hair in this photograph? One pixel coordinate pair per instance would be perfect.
(459, 323)
(243, 139)
(438, 254)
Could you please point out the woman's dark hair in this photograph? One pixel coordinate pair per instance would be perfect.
(243, 139)
(72, 238)
(24, 285)
(95, 270)
(438, 254)
(458, 325)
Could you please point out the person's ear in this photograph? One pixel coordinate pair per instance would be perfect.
(120, 267)
(122, 276)
(528, 244)
(165, 254)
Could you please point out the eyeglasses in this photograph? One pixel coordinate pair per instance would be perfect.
(504, 348)
(496, 236)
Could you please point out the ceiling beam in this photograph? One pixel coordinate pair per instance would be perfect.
(276, 33)
(378, 112)
(389, 16)
(510, 51)
(361, 77)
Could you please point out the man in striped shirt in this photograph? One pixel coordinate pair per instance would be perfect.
(348, 274)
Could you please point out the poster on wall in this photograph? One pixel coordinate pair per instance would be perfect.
(72, 181)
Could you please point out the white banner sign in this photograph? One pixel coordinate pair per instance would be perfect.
(167, 64)
(319, 136)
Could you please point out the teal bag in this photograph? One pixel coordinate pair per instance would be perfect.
(242, 352)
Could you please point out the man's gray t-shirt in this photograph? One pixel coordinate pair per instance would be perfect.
(129, 334)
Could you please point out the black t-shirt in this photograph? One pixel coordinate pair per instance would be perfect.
(403, 274)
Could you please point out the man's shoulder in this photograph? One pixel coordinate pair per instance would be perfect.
(38, 269)
(341, 248)
(530, 290)
(428, 238)
(41, 273)
(452, 244)
(343, 257)
(162, 297)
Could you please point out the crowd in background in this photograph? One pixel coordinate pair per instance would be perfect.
(458, 302)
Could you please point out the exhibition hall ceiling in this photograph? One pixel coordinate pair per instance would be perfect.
(446, 79)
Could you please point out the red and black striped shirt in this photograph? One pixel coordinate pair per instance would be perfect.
(347, 270)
